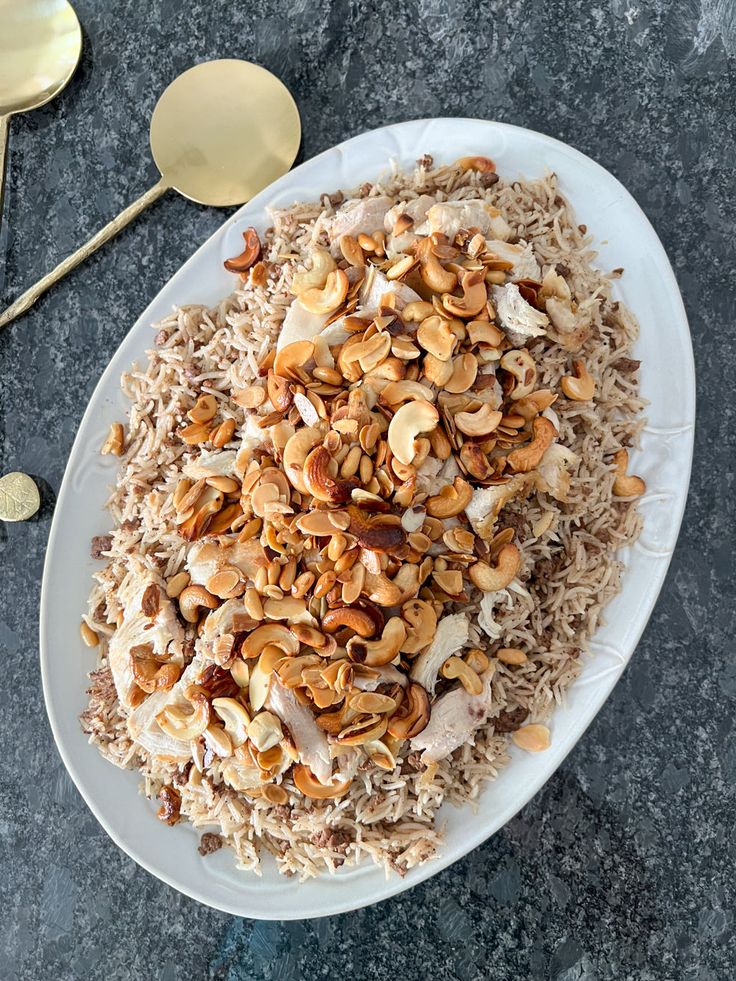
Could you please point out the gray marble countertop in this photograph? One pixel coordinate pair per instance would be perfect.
(623, 866)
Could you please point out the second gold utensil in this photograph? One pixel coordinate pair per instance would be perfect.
(220, 133)
(40, 44)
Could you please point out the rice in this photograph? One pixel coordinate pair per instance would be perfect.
(569, 571)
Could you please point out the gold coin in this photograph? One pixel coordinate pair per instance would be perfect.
(19, 497)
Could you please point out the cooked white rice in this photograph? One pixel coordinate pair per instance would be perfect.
(568, 573)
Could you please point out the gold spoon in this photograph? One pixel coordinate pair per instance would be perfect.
(40, 45)
(220, 133)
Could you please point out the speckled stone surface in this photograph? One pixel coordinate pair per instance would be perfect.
(623, 866)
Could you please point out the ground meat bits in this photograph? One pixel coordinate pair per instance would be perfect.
(510, 720)
(102, 687)
(100, 544)
(170, 805)
(413, 764)
(335, 199)
(546, 569)
(510, 519)
(209, 843)
(488, 180)
(627, 365)
(335, 839)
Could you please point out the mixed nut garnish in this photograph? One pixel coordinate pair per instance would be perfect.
(336, 535)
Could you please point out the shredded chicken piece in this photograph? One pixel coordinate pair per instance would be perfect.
(299, 325)
(487, 502)
(519, 319)
(144, 729)
(453, 633)
(455, 718)
(205, 558)
(163, 632)
(553, 472)
(367, 215)
(376, 286)
(309, 739)
(450, 216)
(525, 265)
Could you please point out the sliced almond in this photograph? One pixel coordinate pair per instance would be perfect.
(534, 738)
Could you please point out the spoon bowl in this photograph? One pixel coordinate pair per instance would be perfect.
(224, 130)
(40, 45)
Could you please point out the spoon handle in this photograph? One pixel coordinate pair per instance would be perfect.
(4, 127)
(27, 299)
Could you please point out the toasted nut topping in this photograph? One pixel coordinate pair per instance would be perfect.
(250, 254)
(481, 332)
(511, 655)
(204, 409)
(89, 636)
(186, 723)
(433, 273)
(377, 652)
(450, 581)
(474, 296)
(528, 457)
(295, 454)
(436, 371)
(459, 539)
(416, 311)
(222, 435)
(330, 297)
(436, 337)
(224, 584)
(265, 731)
(477, 660)
(455, 667)
(422, 625)
(479, 423)
(464, 373)
(115, 442)
(401, 267)
(521, 367)
(351, 251)
(310, 786)
(579, 386)
(234, 718)
(322, 265)
(482, 164)
(409, 421)
(279, 391)
(228, 485)
(270, 634)
(403, 223)
(176, 584)
(412, 715)
(490, 578)
(623, 485)
(360, 497)
(451, 500)
(290, 360)
(192, 598)
(533, 738)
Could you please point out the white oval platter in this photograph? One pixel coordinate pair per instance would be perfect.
(623, 237)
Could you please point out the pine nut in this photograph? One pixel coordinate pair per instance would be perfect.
(89, 636)
(351, 462)
(253, 604)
